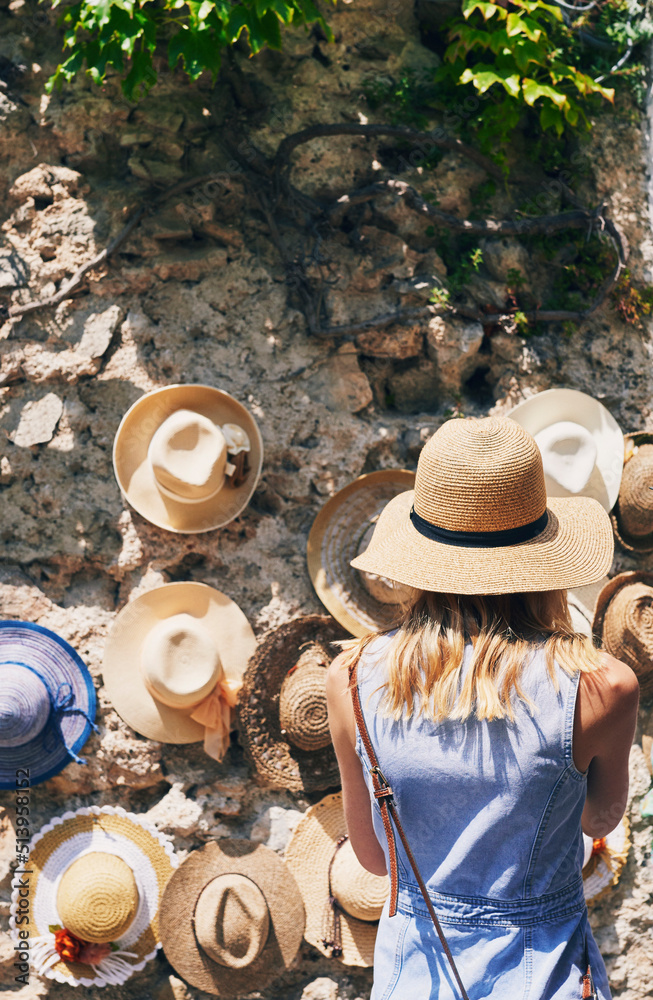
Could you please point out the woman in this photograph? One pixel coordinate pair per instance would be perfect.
(502, 733)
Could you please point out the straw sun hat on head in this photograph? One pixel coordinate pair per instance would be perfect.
(624, 624)
(283, 709)
(342, 530)
(47, 703)
(174, 661)
(343, 901)
(96, 879)
(231, 918)
(479, 522)
(582, 444)
(188, 457)
(632, 517)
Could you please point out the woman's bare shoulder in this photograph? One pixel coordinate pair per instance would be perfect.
(614, 686)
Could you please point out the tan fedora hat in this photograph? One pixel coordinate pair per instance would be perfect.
(188, 457)
(632, 517)
(96, 879)
(604, 861)
(282, 706)
(174, 661)
(624, 623)
(231, 918)
(479, 522)
(582, 444)
(342, 530)
(326, 869)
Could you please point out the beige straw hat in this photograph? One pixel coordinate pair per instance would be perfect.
(188, 457)
(96, 878)
(232, 918)
(604, 861)
(342, 530)
(282, 705)
(581, 443)
(632, 517)
(323, 862)
(624, 624)
(479, 522)
(174, 661)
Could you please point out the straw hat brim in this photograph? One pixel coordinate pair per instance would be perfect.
(134, 473)
(57, 663)
(334, 540)
(574, 550)
(277, 761)
(308, 855)
(123, 679)
(628, 542)
(286, 910)
(112, 830)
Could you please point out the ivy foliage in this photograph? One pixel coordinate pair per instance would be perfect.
(125, 34)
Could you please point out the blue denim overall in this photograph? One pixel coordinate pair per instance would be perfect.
(491, 811)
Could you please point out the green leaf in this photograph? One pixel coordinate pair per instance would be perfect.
(484, 77)
(53, 928)
(533, 91)
(552, 118)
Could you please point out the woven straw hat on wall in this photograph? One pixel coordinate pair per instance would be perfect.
(479, 522)
(604, 861)
(632, 517)
(282, 705)
(624, 624)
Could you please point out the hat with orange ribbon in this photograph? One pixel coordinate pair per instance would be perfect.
(174, 662)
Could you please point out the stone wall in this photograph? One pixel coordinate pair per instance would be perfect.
(198, 292)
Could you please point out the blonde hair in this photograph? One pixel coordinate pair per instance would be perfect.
(425, 656)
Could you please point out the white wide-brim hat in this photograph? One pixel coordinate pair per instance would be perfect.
(156, 679)
(581, 443)
(183, 488)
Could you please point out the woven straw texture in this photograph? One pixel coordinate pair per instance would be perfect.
(632, 517)
(285, 908)
(340, 531)
(57, 663)
(124, 682)
(308, 855)
(624, 624)
(604, 868)
(136, 478)
(303, 716)
(108, 830)
(559, 405)
(278, 760)
(97, 897)
(486, 475)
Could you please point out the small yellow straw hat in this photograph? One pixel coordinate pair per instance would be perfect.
(96, 878)
(323, 862)
(342, 530)
(188, 457)
(479, 521)
(174, 661)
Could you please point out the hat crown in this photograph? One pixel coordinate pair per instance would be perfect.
(24, 705)
(360, 893)
(97, 898)
(628, 631)
(180, 661)
(188, 454)
(480, 475)
(635, 496)
(232, 920)
(303, 704)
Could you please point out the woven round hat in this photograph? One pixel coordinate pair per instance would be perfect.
(623, 623)
(188, 457)
(322, 860)
(95, 878)
(47, 703)
(604, 861)
(632, 517)
(172, 654)
(581, 443)
(342, 530)
(479, 521)
(232, 918)
(283, 711)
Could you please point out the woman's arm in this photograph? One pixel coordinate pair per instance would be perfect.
(604, 726)
(355, 794)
